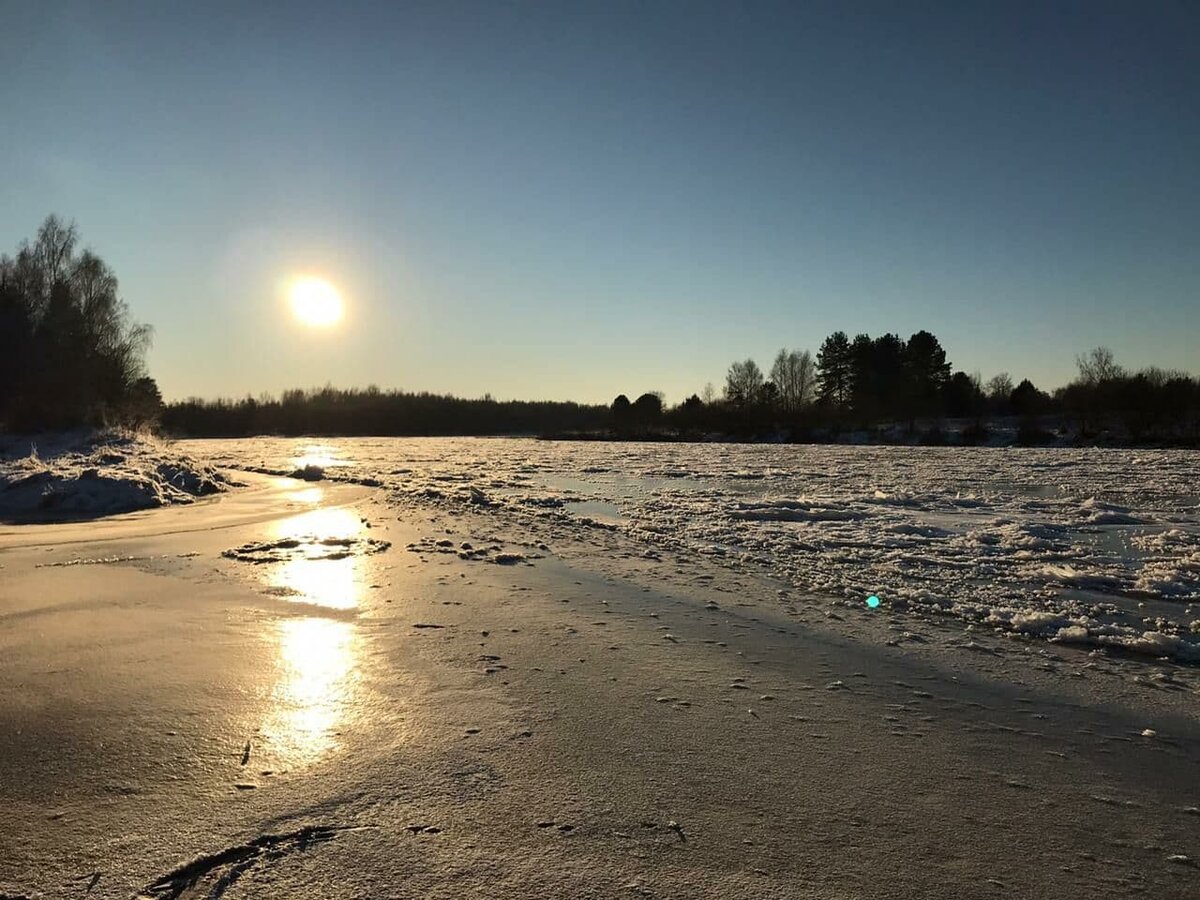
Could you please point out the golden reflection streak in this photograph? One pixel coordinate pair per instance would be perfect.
(307, 496)
(317, 656)
(317, 659)
(315, 574)
(315, 455)
(333, 583)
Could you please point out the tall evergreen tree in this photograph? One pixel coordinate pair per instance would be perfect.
(834, 370)
(878, 375)
(928, 373)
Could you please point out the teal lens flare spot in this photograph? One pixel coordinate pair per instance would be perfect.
(872, 601)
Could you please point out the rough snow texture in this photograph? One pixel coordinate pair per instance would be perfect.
(1091, 547)
(83, 474)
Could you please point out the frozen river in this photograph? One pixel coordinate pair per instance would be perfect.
(1091, 547)
(510, 668)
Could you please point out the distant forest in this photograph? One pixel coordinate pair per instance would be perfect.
(370, 411)
(70, 355)
(885, 387)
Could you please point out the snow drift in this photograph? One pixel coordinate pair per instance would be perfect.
(84, 474)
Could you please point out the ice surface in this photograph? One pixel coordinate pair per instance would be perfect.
(515, 701)
(1064, 544)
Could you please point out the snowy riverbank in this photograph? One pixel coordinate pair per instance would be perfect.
(96, 473)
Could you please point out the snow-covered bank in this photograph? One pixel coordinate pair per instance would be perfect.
(97, 473)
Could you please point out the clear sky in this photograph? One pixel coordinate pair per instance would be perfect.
(571, 200)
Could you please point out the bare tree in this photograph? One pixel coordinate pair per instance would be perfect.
(49, 259)
(1098, 365)
(781, 376)
(709, 394)
(999, 387)
(794, 376)
(806, 378)
(744, 383)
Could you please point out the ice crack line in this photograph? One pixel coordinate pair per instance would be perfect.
(208, 877)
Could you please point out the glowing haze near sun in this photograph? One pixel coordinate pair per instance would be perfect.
(315, 302)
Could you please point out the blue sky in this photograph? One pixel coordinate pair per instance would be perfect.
(571, 200)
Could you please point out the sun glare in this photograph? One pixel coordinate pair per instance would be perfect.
(315, 302)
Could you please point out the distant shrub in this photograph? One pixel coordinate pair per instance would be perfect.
(932, 437)
(973, 434)
(1031, 434)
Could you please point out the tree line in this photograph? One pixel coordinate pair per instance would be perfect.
(908, 387)
(371, 411)
(69, 352)
(862, 384)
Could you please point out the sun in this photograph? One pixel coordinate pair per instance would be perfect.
(315, 302)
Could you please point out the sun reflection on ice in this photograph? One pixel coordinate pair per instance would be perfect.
(322, 571)
(318, 655)
(321, 455)
(306, 496)
(321, 524)
(317, 661)
(333, 583)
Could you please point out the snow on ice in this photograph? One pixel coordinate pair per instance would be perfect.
(1098, 547)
